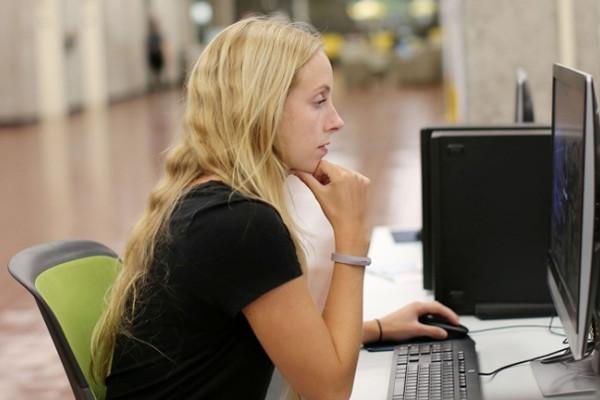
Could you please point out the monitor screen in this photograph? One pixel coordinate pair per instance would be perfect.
(567, 191)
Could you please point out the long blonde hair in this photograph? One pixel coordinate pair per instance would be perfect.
(235, 98)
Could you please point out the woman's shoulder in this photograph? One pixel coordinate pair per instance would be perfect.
(214, 202)
(214, 194)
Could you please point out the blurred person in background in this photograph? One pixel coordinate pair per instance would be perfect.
(155, 53)
(213, 290)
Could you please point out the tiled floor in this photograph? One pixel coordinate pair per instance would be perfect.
(88, 177)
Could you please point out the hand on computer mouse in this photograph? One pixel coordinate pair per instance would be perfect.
(404, 323)
(454, 331)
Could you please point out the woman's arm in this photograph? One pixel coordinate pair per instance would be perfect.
(370, 332)
(317, 353)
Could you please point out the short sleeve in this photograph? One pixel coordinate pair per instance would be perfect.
(237, 252)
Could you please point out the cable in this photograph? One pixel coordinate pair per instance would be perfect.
(558, 327)
(566, 356)
(494, 372)
(562, 355)
(515, 326)
(549, 327)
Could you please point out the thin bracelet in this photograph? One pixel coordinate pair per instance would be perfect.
(380, 330)
(350, 260)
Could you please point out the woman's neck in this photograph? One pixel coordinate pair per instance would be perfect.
(204, 179)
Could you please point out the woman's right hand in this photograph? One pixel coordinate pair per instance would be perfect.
(343, 196)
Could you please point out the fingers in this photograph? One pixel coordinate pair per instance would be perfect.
(433, 332)
(325, 168)
(403, 323)
(327, 172)
(437, 308)
(308, 179)
(343, 197)
(321, 175)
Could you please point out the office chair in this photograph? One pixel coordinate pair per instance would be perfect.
(69, 281)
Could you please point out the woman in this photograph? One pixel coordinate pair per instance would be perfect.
(212, 291)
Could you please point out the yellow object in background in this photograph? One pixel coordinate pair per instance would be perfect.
(332, 44)
(451, 102)
(435, 35)
(364, 10)
(383, 42)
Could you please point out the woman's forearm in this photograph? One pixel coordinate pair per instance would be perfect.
(343, 307)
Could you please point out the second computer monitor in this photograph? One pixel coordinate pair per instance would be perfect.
(573, 261)
(486, 199)
(523, 101)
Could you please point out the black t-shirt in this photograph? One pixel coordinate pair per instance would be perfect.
(191, 340)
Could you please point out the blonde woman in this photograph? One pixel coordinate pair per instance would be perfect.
(212, 293)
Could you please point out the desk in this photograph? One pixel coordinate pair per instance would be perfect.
(385, 292)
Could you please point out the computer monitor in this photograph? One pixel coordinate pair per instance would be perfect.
(528, 141)
(523, 103)
(573, 256)
(486, 201)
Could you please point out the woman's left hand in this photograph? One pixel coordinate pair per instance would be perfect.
(404, 323)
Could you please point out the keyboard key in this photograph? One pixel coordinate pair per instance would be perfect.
(399, 386)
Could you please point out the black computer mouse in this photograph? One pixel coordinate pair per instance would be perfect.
(454, 331)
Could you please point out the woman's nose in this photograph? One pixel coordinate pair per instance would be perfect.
(336, 122)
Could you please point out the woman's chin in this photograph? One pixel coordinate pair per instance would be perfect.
(310, 166)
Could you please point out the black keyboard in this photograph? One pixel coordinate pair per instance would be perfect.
(436, 370)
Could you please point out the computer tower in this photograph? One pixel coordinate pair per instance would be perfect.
(486, 199)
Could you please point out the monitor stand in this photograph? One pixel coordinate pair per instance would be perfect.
(567, 378)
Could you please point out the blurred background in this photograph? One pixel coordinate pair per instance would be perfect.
(91, 95)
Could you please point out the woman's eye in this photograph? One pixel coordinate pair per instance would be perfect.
(321, 101)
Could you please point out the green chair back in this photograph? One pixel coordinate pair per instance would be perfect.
(69, 281)
(75, 291)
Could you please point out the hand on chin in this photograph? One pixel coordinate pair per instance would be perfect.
(315, 171)
(320, 175)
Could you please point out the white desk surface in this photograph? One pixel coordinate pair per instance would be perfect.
(387, 288)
